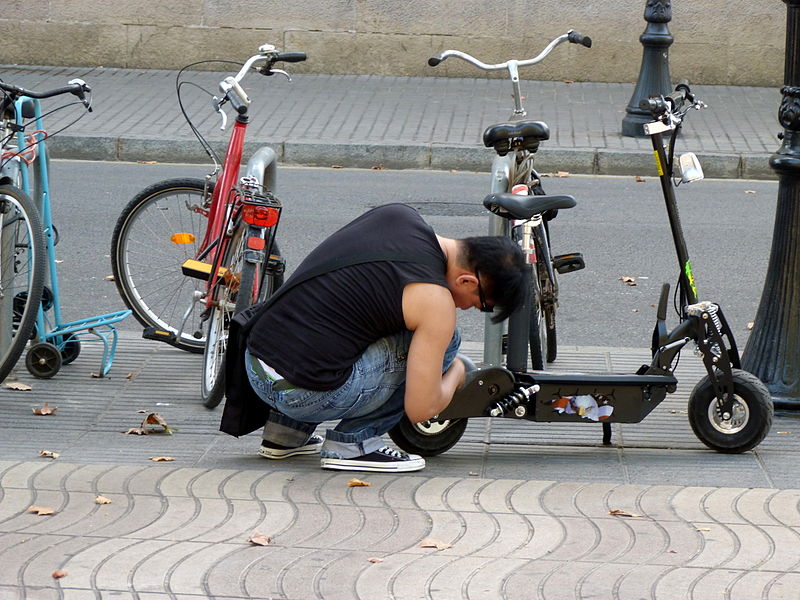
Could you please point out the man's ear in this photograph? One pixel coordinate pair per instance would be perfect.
(467, 278)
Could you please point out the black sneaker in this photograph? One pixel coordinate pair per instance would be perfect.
(383, 460)
(277, 452)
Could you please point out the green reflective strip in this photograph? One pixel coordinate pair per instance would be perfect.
(687, 268)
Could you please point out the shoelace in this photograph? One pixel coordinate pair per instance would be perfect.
(392, 452)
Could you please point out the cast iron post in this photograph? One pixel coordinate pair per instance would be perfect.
(654, 72)
(773, 350)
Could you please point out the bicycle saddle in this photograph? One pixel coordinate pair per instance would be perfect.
(516, 206)
(526, 134)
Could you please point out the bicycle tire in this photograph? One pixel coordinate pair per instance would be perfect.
(146, 256)
(536, 329)
(22, 273)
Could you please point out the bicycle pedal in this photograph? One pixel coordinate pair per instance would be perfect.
(567, 263)
(159, 335)
(199, 269)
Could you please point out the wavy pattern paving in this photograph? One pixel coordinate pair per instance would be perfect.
(180, 533)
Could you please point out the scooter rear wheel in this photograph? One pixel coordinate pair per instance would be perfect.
(743, 429)
(428, 438)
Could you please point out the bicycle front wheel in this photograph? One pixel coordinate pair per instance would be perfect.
(22, 272)
(157, 231)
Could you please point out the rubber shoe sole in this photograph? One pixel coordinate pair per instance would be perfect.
(417, 463)
(313, 447)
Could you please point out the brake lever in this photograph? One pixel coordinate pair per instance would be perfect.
(81, 93)
(216, 104)
(280, 71)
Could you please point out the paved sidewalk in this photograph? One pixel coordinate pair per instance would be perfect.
(523, 508)
(401, 122)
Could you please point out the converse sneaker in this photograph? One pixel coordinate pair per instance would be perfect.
(276, 451)
(382, 460)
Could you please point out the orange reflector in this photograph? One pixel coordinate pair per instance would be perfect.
(260, 216)
(182, 238)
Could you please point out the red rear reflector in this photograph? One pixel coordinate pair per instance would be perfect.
(256, 243)
(260, 216)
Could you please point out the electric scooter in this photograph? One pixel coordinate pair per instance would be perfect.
(730, 410)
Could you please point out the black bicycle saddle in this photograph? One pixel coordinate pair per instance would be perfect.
(516, 206)
(529, 133)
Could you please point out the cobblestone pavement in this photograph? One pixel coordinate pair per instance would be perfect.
(519, 510)
(400, 122)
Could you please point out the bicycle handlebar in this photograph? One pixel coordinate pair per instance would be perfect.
(571, 36)
(76, 87)
(676, 103)
(239, 99)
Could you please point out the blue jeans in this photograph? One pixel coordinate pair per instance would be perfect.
(367, 405)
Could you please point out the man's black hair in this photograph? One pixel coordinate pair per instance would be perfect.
(499, 263)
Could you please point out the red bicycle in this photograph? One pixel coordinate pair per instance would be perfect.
(184, 243)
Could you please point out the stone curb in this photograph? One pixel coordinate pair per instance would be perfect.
(582, 161)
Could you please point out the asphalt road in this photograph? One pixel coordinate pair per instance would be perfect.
(619, 225)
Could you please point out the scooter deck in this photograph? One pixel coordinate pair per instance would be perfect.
(562, 397)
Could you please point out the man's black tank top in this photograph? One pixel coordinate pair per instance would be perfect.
(314, 332)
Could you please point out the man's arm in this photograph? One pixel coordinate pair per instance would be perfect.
(430, 313)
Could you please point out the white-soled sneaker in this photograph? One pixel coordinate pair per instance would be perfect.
(383, 460)
(277, 452)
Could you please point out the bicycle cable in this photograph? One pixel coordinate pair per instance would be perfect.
(46, 135)
(179, 84)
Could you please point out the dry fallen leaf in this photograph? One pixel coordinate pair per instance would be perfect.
(259, 539)
(20, 387)
(634, 310)
(45, 410)
(147, 162)
(628, 280)
(431, 543)
(358, 483)
(96, 375)
(639, 179)
(749, 191)
(377, 168)
(375, 559)
(59, 574)
(41, 510)
(679, 412)
(109, 278)
(161, 458)
(472, 474)
(561, 174)
(750, 325)
(129, 376)
(102, 500)
(150, 419)
(336, 166)
(48, 454)
(622, 513)
(703, 529)
(783, 432)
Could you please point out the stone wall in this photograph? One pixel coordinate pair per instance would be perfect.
(736, 42)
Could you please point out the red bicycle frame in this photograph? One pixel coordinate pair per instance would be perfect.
(221, 207)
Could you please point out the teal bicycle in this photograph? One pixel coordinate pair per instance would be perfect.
(30, 308)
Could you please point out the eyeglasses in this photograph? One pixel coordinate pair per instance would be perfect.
(481, 298)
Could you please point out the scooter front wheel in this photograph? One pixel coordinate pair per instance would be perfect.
(748, 422)
(429, 438)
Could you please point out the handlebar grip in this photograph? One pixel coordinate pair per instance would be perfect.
(578, 38)
(237, 103)
(434, 61)
(656, 106)
(291, 57)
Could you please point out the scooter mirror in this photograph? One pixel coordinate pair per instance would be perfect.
(690, 167)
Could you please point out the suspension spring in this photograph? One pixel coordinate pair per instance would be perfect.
(514, 401)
